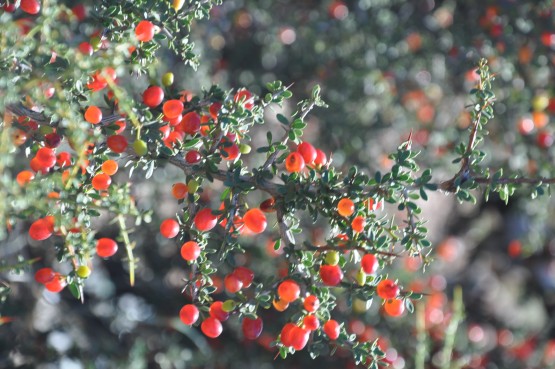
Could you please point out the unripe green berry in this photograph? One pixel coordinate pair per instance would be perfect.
(83, 271)
(167, 79)
(140, 147)
(96, 42)
(332, 257)
(229, 305)
(193, 186)
(361, 277)
(244, 148)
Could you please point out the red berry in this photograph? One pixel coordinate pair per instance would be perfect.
(544, 139)
(52, 140)
(190, 251)
(332, 329)
(268, 206)
(252, 328)
(93, 114)
(101, 182)
(299, 338)
(193, 157)
(63, 159)
(86, 48)
(255, 220)
(189, 314)
(289, 290)
(244, 97)
(117, 143)
(394, 307)
(307, 151)
(153, 96)
(294, 162)
(40, 230)
(214, 109)
(311, 322)
(230, 152)
(44, 275)
(46, 157)
(331, 275)
(286, 334)
(106, 247)
(321, 158)
(169, 228)
(311, 303)
(217, 312)
(205, 220)
(211, 327)
(387, 289)
(369, 264)
(191, 123)
(232, 283)
(144, 31)
(172, 108)
(245, 275)
(56, 284)
(30, 6)
(358, 224)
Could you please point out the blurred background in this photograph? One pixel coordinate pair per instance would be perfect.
(387, 68)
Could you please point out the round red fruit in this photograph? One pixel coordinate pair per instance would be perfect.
(232, 283)
(211, 327)
(387, 289)
(193, 157)
(93, 114)
(311, 322)
(189, 314)
(311, 303)
(307, 151)
(40, 230)
(369, 264)
(101, 182)
(44, 275)
(294, 162)
(172, 108)
(30, 6)
(169, 228)
(289, 290)
(153, 96)
(144, 31)
(252, 328)
(190, 251)
(332, 329)
(117, 143)
(255, 220)
(106, 247)
(191, 123)
(245, 275)
(394, 307)
(331, 275)
(216, 311)
(205, 220)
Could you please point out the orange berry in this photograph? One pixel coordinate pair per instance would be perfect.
(180, 190)
(93, 114)
(24, 177)
(280, 305)
(394, 307)
(289, 290)
(345, 207)
(110, 167)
